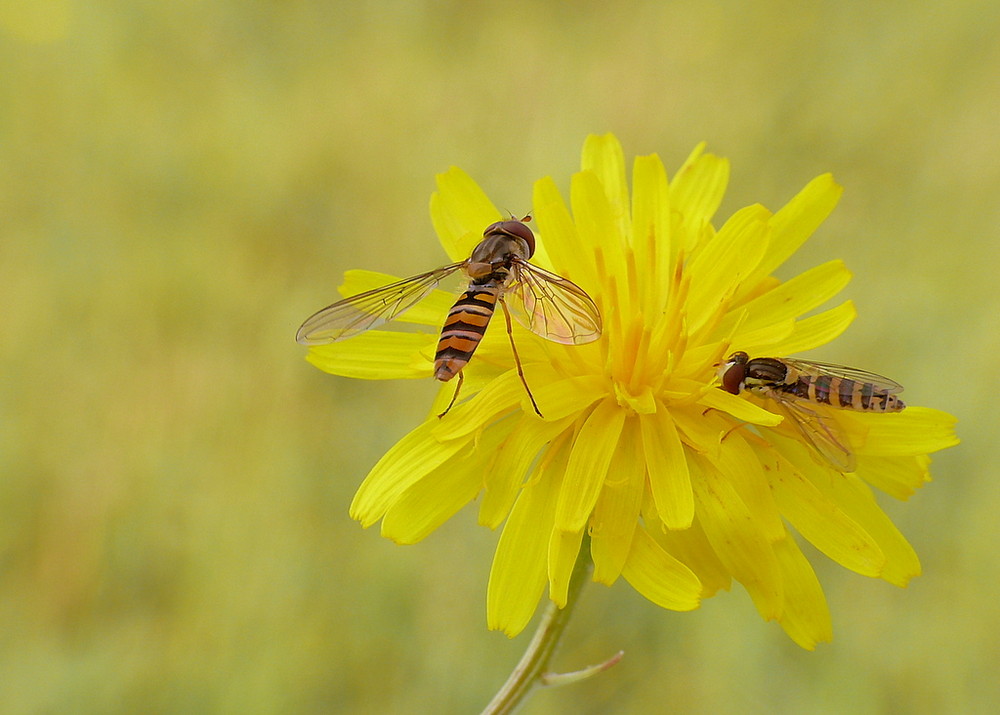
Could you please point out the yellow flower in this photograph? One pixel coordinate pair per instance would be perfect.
(680, 486)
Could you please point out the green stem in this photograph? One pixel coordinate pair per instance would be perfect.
(531, 671)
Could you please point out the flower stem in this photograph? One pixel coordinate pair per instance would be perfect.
(531, 671)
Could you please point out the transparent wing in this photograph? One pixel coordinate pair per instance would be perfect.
(821, 432)
(366, 310)
(848, 373)
(554, 308)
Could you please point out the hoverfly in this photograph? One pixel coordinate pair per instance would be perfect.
(498, 271)
(793, 383)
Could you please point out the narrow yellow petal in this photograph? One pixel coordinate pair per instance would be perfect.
(460, 212)
(816, 330)
(406, 462)
(806, 618)
(797, 221)
(820, 520)
(738, 541)
(696, 190)
(739, 407)
(690, 547)
(721, 264)
(659, 576)
(669, 479)
(492, 401)
(738, 464)
(599, 228)
(564, 549)
(855, 498)
(504, 477)
(520, 564)
(899, 477)
(559, 398)
(588, 465)
(376, 355)
(651, 230)
(428, 503)
(603, 155)
(617, 509)
(562, 243)
(914, 431)
(795, 297)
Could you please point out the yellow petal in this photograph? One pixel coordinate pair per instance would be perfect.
(520, 564)
(669, 479)
(721, 264)
(696, 191)
(856, 500)
(899, 477)
(406, 462)
(816, 330)
(497, 397)
(562, 243)
(739, 465)
(790, 299)
(690, 547)
(376, 355)
(603, 155)
(797, 221)
(806, 617)
(599, 229)
(651, 239)
(659, 576)
(739, 407)
(914, 431)
(435, 498)
(588, 465)
(740, 544)
(564, 549)
(820, 520)
(559, 398)
(460, 212)
(505, 476)
(617, 509)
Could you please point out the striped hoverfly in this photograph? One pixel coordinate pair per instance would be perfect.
(794, 383)
(498, 271)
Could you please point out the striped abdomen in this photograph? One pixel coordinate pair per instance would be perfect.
(463, 329)
(843, 392)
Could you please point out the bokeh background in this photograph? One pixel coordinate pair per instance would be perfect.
(181, 184)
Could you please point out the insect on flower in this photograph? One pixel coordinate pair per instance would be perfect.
(792, 383)
(498, 270)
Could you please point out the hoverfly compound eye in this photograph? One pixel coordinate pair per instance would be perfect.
(517, 229)
(734, 372)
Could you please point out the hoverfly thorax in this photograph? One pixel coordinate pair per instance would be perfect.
(504, 242)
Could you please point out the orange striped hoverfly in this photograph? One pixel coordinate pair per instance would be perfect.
(498, 271)
(792, 383)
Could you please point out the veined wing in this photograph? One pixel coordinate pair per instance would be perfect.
(367, 310)
(848, 373)
(820, 431)
(554, 308)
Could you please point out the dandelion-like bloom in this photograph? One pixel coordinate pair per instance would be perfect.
(680, 486)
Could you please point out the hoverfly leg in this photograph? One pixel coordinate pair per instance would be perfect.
(517, 359)
(461, 377)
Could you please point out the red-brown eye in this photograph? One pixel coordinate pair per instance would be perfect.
(517, 229)
(733, 377)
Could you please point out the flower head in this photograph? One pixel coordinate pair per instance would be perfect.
(680, 486)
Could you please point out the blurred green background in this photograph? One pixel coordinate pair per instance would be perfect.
(181, 184)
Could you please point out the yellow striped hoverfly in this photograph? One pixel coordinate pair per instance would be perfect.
(498, 271)
(793, 383)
